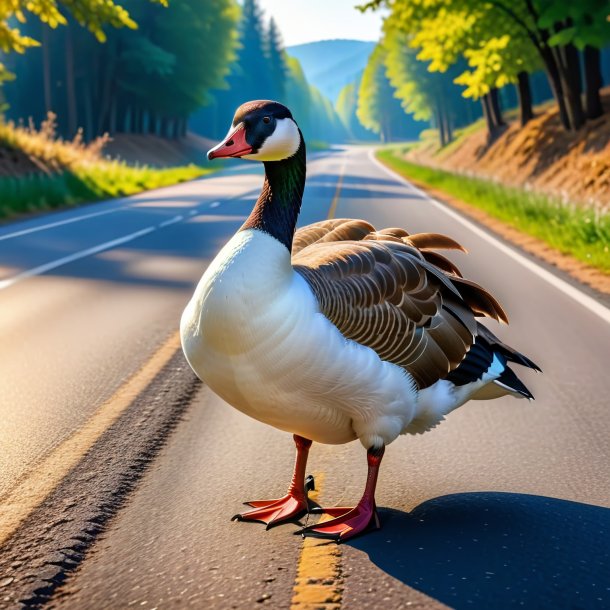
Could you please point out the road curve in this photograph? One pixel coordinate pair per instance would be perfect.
(506, 503)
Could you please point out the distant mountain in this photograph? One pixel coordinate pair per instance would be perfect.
(329, 65)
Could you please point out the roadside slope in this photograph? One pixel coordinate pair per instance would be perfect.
(541, 156)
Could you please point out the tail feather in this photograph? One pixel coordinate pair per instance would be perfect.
(512, 355)
(512, 383)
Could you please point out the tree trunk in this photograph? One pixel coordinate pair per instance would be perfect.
(524, 93)
(496, 111)
(491, 128)
(448, 127)
(593, 83)
(70, 88)
(440, 124)
(552, 73)
(128, 122)
(46, 69)
(89, 134)
(112, 119)
(574, 78)
(568, 65)
(107, 95)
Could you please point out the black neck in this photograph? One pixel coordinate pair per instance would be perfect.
(279, 203)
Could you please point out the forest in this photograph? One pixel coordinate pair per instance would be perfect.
(150, 67)
(436, 54)
(164, 67)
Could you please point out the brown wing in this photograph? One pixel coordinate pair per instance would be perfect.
(335, 229)
(380, 289)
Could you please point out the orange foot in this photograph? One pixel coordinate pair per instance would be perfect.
(348, 522)
(273, 512)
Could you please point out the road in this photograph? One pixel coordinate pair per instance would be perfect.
(504, 504)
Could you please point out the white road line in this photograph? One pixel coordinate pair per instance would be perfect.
(193, 212)
(58, 223)
(214, 204)
(171, 221)
(74, 257)
(577, 295)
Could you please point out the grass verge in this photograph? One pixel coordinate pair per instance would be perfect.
(58, 173)
(579, 232)
(85, 183)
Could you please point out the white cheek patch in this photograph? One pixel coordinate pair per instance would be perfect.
(281, 144)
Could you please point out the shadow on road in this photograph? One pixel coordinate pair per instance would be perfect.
(498, 550)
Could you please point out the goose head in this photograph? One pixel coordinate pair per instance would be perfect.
(262, 130)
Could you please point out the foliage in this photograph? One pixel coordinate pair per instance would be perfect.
(147, 80)
(503, 39)
(250, 73)
(346, 106)
(278, 68)
(378, 109)
(93, 14)
(424, 94)
(266, 71)
(573, 230)
(585, 22)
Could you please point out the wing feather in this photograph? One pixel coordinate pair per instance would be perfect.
(392, 292)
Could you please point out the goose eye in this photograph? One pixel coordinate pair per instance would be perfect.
(266, 119)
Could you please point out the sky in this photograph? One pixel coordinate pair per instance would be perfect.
(308, 20)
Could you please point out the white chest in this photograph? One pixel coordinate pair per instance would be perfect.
(253, 333)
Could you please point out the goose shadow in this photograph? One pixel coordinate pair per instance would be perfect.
(498, 550)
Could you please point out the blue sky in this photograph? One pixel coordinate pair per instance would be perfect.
(308, 20)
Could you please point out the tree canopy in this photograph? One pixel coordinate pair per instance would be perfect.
(504, 40)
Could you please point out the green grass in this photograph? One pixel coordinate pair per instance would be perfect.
(317, 145)
(73, 171)
(577, 231)
(85, 183)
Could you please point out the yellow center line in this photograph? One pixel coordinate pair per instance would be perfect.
(319, 581)
(38, 484)
(335, 201)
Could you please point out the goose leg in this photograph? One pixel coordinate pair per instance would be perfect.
(293, 505)
(350, 522)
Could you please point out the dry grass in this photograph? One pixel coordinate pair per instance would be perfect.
(39, 170)
(542, 156)
(48, 151)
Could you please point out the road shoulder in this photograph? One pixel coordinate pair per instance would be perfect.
(574, 269)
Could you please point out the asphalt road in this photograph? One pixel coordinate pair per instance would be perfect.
(506, 504)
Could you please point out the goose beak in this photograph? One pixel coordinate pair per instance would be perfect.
(234, 145)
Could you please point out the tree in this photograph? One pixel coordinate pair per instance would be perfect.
(147, 80)
(586, 26)
(93, 14)
(426, 95)
(276, 55)
(553, 29)
(346, 106)
(378, 108)
(251, 76)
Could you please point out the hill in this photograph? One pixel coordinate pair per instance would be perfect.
(329, 65)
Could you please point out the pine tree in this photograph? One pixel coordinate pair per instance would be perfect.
(252, 79)
(276, 55)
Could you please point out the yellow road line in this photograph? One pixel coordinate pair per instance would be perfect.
(335, 201)
(32, 490)
(319, 581)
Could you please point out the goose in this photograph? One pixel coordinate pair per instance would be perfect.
(337, 331)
